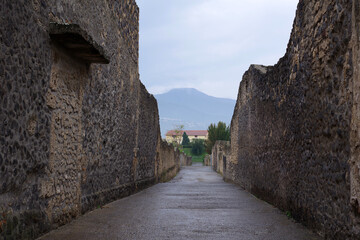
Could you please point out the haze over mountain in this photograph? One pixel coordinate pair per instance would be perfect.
(192, 108)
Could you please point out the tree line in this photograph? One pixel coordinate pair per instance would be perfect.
(216, 132)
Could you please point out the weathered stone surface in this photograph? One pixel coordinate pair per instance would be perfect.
(77, 42)
(207, 160)
(73, 135)
(185, 160)
(220, 154)
(294, 132)
(168, 161)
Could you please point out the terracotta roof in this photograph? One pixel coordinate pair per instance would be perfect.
(188, 132)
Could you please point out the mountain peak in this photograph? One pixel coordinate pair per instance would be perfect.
(185, 91)
(193, 109)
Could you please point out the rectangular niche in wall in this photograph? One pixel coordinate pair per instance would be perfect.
(73, 51)
(78, 43)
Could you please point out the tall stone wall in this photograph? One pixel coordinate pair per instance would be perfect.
(294, 132)
(74, 134)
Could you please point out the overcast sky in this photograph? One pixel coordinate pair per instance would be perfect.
(209, 44)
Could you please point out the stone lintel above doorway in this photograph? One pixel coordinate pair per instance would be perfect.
(78, 43)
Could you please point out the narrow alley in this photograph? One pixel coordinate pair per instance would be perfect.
(196, 204)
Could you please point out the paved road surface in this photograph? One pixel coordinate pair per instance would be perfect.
(197, 204)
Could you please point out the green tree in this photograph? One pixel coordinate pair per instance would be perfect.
(217, 132)
(197, 147)
(186, 140)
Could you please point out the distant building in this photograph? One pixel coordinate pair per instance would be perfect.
(173, 135)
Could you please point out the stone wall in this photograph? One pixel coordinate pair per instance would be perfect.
(168, 163)
(294, 132)
(185, 160)
(74, 134)
(207, 160)
(220, 154)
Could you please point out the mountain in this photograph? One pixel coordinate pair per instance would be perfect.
(192, 108)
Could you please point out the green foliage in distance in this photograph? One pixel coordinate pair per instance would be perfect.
(216, 132)
(186, 140)
(195, 158)
(197, 147)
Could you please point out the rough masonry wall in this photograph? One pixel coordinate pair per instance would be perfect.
(207, 160)
(73, 135)
(25, 67)
(185, 160)
(290, 132)
(220, 155)
(168, 162)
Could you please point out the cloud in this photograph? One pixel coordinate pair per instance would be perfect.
(209, 44)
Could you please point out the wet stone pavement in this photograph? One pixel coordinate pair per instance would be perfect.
(196, 204)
